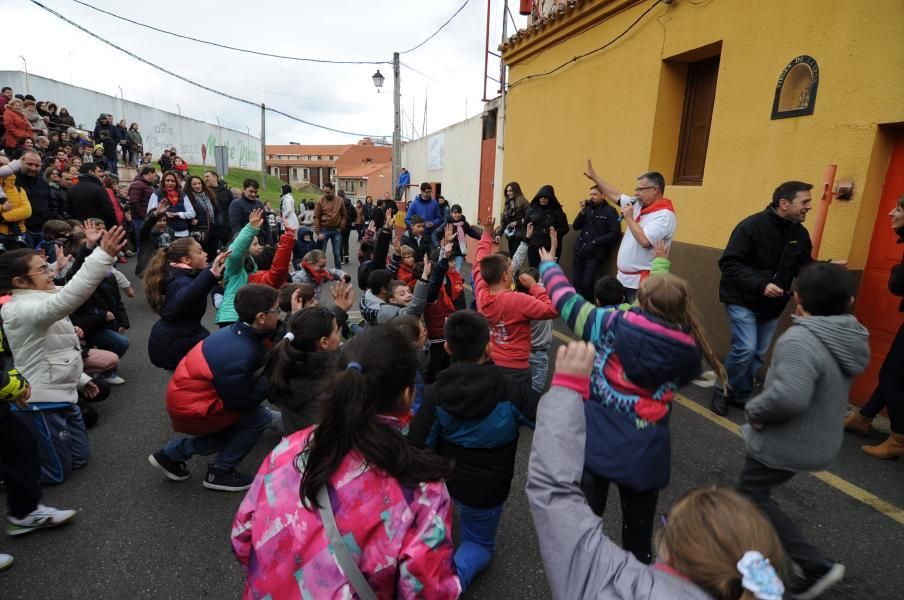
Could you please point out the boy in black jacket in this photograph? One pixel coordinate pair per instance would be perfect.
(471, 414)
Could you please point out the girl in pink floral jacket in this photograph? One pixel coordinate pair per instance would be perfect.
(391, 505)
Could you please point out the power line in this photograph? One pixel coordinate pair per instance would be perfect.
(233, 48)
(441, 27)
(586, 54)
(195, 83)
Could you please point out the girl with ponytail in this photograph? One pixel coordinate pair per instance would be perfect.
(391, 506)
(297, 364)
(176, 283)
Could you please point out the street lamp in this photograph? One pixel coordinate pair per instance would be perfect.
(397, 116)
(378, 80)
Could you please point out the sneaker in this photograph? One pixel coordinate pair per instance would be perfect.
(39, 518)
(226, 481)
(276, 422)
(813, 586)
(6, 561)
(177, 471)
(112, 380)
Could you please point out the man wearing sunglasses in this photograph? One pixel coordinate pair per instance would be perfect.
(650, 217)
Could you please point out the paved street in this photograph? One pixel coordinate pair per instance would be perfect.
(139, 535)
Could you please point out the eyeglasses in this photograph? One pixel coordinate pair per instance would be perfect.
(272, 310)
(42, 270)
(639, 189)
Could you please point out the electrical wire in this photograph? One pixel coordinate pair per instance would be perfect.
(233, 48)
(441, 27)
(586, 54)
(195, 83)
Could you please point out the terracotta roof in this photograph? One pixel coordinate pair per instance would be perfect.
(363, 154)
(361, 171)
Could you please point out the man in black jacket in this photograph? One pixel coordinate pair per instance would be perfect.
(43, 208)
(88, 198)
(105, 133)
(599, 232)
(224, 199)
(764, 254)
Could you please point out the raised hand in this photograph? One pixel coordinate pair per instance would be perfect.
(427, 268)
(387, 223)
(553, 240)
(590, 173)
(529, 231)
(93, 233)
(219, 263)
(343, 296)
(547, 254)
(661, 249)
(114, 240)
(527, 281)
(449, 233)
(576, 358)
(256, 218)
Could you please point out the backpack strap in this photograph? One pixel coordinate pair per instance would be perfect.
(346, 563)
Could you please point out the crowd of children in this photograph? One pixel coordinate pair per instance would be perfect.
(392, 419)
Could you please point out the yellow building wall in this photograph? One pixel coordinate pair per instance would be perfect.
(622, 108)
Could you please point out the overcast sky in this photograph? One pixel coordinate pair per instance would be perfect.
(341, 96)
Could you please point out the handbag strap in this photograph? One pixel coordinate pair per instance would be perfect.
(340, 550)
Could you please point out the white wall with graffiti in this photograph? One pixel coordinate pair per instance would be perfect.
(195, 140)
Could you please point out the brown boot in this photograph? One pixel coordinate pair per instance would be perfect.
(857, 423)
(892, 447)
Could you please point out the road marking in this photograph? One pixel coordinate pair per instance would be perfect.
(856, 492)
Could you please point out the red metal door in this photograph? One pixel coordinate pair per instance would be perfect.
(876, 307)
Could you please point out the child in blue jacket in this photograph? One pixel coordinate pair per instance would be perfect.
(472, 414)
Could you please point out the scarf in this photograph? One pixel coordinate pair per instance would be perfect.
(172, 196)
(319, 277)
(460, 233)
(203, 201)
(661, 204)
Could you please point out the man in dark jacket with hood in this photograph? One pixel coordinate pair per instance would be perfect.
(224, 199)
(600, 231)
(471, 415)
(105, 133)
(544, 212)
(764, 254)
(88, 198)
(43, 207)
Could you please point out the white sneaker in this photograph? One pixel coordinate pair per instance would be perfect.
(39, 518)
(112, 380)
(6, 561)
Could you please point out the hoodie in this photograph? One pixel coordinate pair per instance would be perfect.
(428, 208)
(544, 217)
(471, 415)
(804, 401)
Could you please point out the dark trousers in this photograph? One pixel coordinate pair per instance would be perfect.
(890, 389)
(757, 482)
(585, 270)
(346, 233)
(20, 466)
(438, 360)
(638, 513)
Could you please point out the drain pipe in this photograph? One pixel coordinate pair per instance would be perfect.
(828, 183)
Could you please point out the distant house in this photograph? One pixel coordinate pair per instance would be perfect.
(360, 169)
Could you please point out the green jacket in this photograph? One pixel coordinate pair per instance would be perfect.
(234, 273)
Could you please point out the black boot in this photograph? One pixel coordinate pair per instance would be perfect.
(719, 402)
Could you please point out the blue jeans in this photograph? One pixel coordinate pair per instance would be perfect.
(137, 224)
(335, 236)
(478, 541)
(107, 339)
(459, 261)
(750, 339)
(232, 443)
(539, 366)
(62, 440)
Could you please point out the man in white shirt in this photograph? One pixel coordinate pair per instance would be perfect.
(650, 218)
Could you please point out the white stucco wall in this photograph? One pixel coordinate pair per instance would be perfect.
(159, 129)
(456, 150)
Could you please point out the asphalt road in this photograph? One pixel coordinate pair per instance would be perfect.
(139, 535)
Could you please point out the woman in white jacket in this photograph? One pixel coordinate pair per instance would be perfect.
(287, 209)
(46, 348)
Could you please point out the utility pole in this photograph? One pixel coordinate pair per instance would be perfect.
(397, 123)
(263, 146)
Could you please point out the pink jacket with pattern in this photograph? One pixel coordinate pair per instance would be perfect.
(401, 538)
